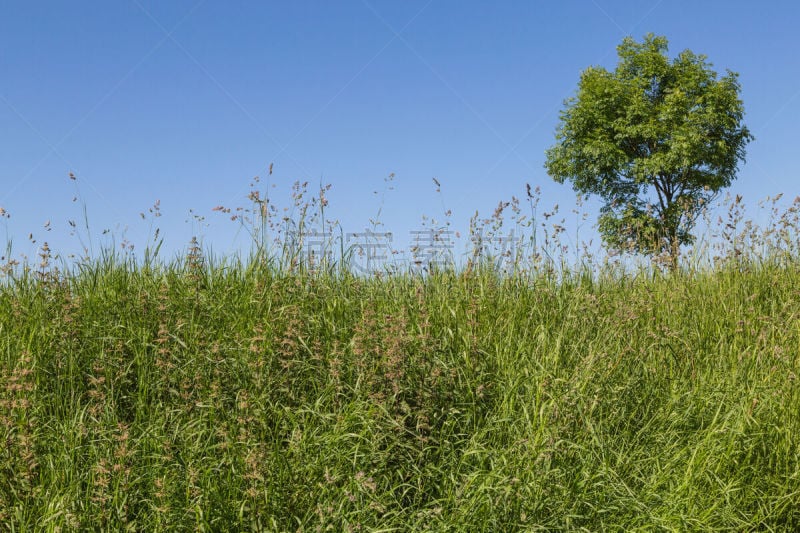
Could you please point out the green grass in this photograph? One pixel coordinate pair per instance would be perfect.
(265, 396)
(233, 398)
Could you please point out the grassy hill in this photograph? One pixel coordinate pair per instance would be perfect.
(193, 396)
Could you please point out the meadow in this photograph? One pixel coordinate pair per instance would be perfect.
(267, 394)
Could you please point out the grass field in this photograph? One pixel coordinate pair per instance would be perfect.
(228, 396)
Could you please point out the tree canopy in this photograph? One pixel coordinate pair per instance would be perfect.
(656, 139)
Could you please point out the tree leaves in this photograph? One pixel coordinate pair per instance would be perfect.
(656, 139)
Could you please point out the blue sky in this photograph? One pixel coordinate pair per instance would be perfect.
(185, 101)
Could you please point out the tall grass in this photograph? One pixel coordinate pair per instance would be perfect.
(271, 394)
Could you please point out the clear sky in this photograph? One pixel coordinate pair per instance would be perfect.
(185, 101)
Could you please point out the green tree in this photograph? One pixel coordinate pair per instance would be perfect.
(656, 139)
